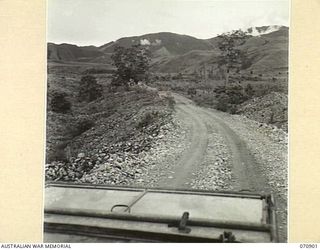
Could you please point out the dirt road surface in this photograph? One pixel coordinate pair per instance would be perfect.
(244, 166)
(224, 153)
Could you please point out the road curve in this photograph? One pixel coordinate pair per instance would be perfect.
(247, 173)
(244, 167)
(194, 154)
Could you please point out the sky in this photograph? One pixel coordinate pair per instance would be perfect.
(97, 22)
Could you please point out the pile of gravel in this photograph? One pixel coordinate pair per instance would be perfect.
(125, 162)
(271, 109)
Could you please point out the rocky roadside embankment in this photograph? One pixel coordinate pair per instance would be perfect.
(114, 131)
(140, 161)
(268, 144)
(145, 168)
(271, 109)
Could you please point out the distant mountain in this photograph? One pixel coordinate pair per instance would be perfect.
(69, 52)
(167, 42)
(266, 47)
(268, 51)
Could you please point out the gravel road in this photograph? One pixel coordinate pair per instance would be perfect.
(199, 148)
(218, 151)
(246, 174)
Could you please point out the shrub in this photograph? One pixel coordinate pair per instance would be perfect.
(57, 153)
(177, 76)
(228, 97)
(147, 119)
(232, 109)
(81, 126)
(59, 103)
(192, 91)
(89, 89)
(222, 103)
(264, 89)
(178, 88)
(236, 94)
(249, 91)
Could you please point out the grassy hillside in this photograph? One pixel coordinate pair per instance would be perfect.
(186, 63)
(69, 52)
(175, 44)
(268, 52)
(174, 53)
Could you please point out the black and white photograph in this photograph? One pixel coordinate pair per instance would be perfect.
(167, 121)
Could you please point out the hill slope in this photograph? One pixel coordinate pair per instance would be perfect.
(70, 52)
(172, 43)
(266, 47)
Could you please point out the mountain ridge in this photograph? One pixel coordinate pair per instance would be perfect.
(173, 52)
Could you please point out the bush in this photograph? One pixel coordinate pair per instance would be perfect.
(222, 103)
(234, 93)
(89, 89)
(81, 126)
(232, 109)
(59, 103)
(228, 97)
(178, 76)
(178, 88)
(147, 119)
(249, 91)
(264, 89)
(192, 91)
(57, 153)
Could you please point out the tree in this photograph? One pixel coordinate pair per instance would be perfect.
(132, 65)
(89, 89)
(231, 56)
(59, 103)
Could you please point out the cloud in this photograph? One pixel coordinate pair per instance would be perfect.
(157, 42)
(145, 42)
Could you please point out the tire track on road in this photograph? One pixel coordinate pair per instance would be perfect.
(244, 166)
(193, 156)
